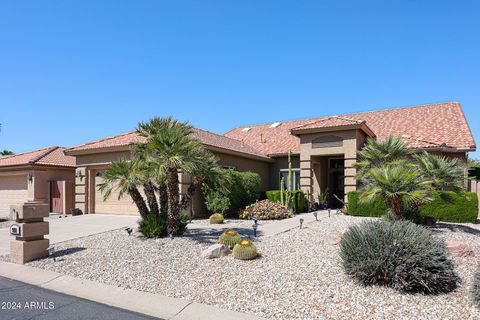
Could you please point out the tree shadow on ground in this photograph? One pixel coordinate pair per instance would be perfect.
(453, 227)
(65, 252)
(208, 235)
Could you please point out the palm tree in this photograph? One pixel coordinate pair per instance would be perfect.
(400, 186)
(171, 145)
(446, 174)
(6, 153)
(378, 153)
(123, 175)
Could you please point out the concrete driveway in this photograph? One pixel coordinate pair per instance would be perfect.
(72, 227)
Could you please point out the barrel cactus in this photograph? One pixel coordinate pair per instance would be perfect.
(245, 250)
(216, 218)
(230, 238)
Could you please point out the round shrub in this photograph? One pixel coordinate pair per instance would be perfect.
(266, 210)
(399, 254)
(229, 238)
(216, 218)
(245, 250)
(476, 288)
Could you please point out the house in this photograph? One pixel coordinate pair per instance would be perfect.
(324, 150)
(45, 175)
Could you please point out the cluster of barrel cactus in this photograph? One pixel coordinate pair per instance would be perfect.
(216, 218)
(245, 250)
(242, 249)
(229, 238)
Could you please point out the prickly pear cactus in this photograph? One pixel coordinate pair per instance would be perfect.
(245, 250)
(229, 238)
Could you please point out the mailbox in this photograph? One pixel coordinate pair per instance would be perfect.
(15, 230)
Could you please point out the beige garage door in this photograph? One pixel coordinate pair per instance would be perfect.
(112, 205)
(13, 189)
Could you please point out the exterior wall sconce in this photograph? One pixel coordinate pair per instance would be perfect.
(30, 177)
(79, 174)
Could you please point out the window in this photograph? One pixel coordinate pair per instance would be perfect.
(229, 167)
(295, 175)
(327, 141)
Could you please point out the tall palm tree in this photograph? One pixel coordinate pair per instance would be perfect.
(6, 153)
(175, 151)
(446, 174)
(123, 176)
(400, 186)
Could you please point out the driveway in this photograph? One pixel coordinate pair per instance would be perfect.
(72, 227)
(23, 301)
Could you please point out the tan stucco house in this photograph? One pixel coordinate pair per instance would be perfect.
(45, 175)
(323, 150)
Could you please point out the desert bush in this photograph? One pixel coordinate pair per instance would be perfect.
(216, 218)
(399, 254)
(476, 288)
(155, 226)
(266, 210)
(152, 226)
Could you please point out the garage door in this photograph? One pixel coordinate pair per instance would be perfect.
(112, 205)
(13, 189)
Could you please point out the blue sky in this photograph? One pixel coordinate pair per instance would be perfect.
(74, 71)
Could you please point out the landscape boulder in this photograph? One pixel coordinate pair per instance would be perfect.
(215, 251)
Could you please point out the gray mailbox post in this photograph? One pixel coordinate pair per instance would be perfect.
(29, 231)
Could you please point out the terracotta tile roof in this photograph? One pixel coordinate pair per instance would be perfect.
(206, 137)
(51, 156)
(329, 122)
(426, 126)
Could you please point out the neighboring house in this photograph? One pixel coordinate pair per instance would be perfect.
(45, 175)
(324, 150)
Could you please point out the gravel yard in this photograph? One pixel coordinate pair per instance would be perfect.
(298, 275)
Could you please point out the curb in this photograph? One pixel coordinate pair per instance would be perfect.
(154, 305)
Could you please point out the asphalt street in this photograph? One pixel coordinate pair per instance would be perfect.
(19, 300)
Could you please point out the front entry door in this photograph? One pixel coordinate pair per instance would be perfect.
(56, 194)
(336, 182)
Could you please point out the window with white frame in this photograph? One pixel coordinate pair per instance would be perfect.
(295, 176)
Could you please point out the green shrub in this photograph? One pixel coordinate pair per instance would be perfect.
(242, 189)
(216, 218)
(266, 210)
(399, 254)
(376, 208)
(154, 226)
(447, 206)
(476, 288)
(298, 199)
(452, 207)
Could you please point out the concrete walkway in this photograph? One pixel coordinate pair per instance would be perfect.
(285, 225)
(136, 301)
(72, 227)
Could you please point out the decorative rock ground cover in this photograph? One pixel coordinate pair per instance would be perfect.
(297, 276)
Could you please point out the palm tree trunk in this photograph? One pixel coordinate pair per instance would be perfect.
(139, 202)
(151, 197)
(187, 198)
(395, 208)
(163, 198)
(173, 201)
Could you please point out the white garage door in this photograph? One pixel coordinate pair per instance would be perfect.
(13, 189)
(112, 205)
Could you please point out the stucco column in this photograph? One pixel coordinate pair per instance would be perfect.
(81, 189)
(306, 175)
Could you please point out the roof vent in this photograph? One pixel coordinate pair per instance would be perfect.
(275, 124)
(245, 129)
